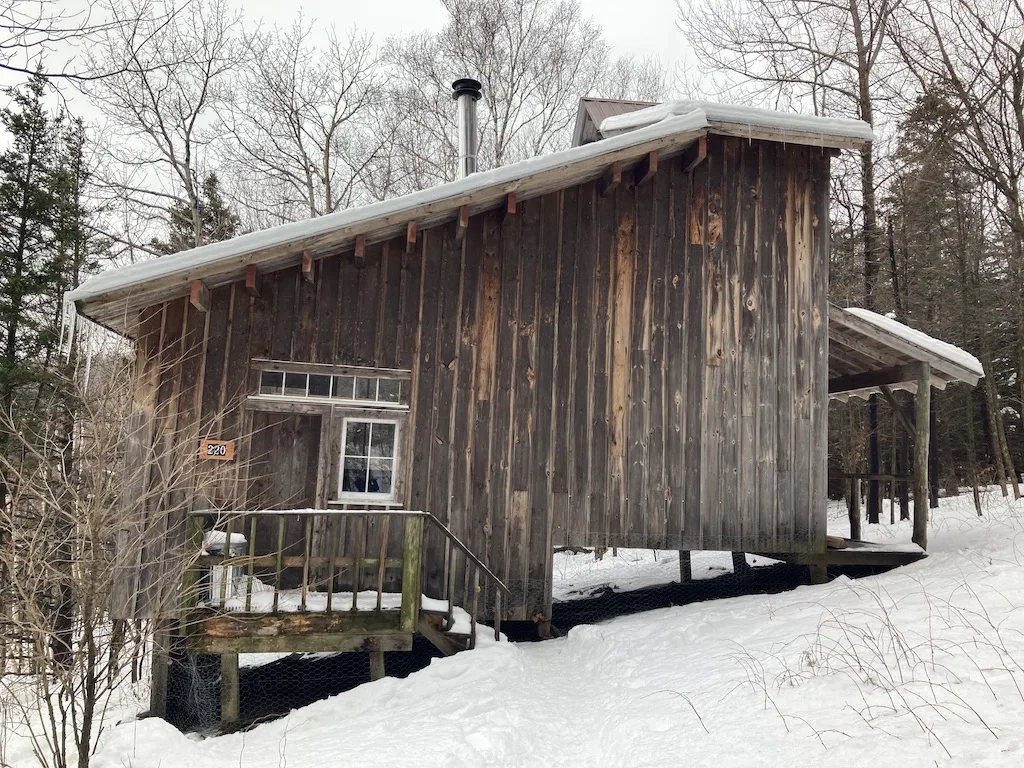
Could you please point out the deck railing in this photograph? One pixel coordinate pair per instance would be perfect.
(333, 561)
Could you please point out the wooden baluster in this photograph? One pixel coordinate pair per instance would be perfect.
(382, 555)
(451, 587)
(332, 549)
(497, 613)
(360, 526)
(280, 556)
(252, 564)
(305, 562)
(472, 613)
(191, 582)
(224, 572)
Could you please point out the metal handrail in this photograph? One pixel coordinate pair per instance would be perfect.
(465, 550)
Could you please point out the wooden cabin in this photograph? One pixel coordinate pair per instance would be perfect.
(383, 420)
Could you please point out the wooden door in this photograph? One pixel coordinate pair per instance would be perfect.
(284, 457)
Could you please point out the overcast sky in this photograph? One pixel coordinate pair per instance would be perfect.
(640, 27)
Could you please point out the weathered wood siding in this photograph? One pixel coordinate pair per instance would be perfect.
(646, 368)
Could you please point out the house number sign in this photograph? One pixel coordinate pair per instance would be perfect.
(218, 450)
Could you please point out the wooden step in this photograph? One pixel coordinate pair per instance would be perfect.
(448, 643)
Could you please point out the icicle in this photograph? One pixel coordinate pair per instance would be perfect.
(68, 322)
(87, 346)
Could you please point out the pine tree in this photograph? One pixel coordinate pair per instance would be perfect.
(192, 226)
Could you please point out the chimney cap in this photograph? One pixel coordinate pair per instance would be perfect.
(466, 86)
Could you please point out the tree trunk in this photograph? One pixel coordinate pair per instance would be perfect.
(874, 492)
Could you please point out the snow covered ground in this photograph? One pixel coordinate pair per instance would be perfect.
(581, 575)
(921, 666)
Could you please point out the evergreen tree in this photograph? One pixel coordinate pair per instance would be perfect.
(207, 222)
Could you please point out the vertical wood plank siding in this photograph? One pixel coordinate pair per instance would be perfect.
(646, 368)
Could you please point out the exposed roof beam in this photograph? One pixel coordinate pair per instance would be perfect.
(696, 154)
(410, 237)
(645, 169)
(307, 266)
(511, 201)
(253, 280)
(900, 374)
(610, 180)
(199, 296)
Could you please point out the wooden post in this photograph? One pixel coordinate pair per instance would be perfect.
(740, 566)
(161, 667)
(923, 423)
(412, 557)
(685, 569)
(933, 461)
(853, 505)
(376, 665)
(229, 691)
(190, 579)
(819, 573)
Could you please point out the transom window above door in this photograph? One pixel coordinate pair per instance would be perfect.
(361, 387)
(369, 458)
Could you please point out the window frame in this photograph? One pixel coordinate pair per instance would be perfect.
(333, 372)
(367, 497)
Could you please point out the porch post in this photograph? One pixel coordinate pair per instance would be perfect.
(921, 443)
(412, 565)
(229, 691)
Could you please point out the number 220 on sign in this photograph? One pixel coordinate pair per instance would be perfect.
(218, 450)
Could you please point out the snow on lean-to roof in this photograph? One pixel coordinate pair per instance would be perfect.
(942, 349)
(672, 120)
(731, 114)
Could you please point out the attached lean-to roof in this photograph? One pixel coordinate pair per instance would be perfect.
(867, 351)
(115, 297)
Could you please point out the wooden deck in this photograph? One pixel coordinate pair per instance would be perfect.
(854, 552)
(255, 598)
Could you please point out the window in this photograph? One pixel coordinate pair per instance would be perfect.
(369, 452)
(391, 391)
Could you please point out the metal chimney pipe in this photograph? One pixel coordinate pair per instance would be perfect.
(466, 91)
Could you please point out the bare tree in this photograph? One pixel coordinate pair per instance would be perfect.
(159, 106)
(534, 58)
(973, 54)
(299, 122)
(830, 53)
(62, 658)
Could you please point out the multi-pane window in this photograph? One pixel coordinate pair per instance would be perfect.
(368, 459)
(370, 390)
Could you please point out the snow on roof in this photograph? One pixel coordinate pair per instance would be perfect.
(226, 250)
(752, 117)
(111, 295)
(945, 350)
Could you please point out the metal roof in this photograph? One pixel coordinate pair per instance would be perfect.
(592, 111)
(115, 297)
(865, 354)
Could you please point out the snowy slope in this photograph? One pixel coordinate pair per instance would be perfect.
(918, 667)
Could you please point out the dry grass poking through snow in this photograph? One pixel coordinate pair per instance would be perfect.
(921, 666)
(942, 651)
